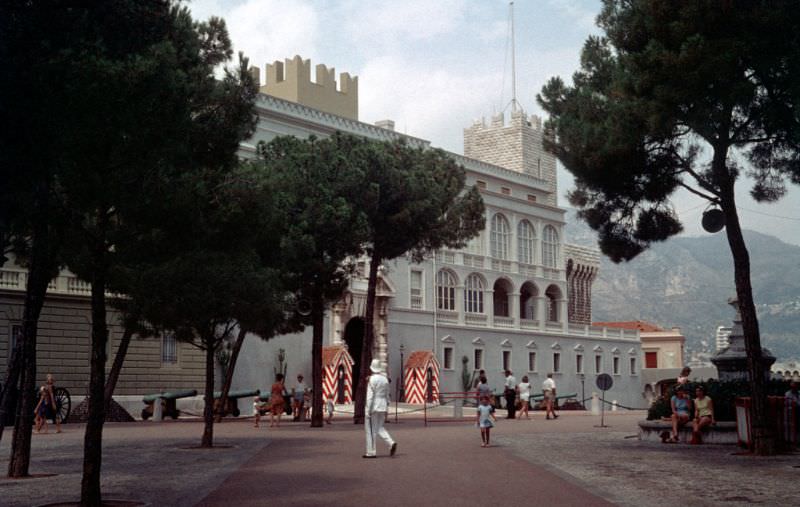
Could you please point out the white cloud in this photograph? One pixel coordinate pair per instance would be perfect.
(584, 17)
(432, 103)
(381, 22)
(266, 30)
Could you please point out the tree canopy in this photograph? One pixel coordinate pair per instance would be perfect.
(415, 200)
(693, 96)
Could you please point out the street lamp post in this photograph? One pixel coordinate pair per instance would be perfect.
(583, 392)
(402, 383)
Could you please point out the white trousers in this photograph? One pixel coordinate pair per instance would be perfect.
(373, 426)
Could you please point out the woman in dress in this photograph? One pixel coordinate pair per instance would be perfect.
(276, 401)
(524, 391)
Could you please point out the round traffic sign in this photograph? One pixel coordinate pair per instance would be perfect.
(604, 382)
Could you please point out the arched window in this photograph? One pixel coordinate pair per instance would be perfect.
(473, 294)
(550, 247)
(525, 236)
(502, 291)
(500, 236)
(552, 295)
(527, 301)
(445, 290)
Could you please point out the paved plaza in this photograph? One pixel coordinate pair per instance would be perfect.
(568, 461)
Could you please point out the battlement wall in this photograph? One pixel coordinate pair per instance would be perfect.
(291, 80)
(515, 144)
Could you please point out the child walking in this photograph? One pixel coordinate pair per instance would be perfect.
(485, 416)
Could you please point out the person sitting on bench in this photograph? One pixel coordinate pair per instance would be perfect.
(703, 414)
(680, 413)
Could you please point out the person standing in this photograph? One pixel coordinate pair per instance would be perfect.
(51, 402)
(549, 390)
(298, 398)
(511, 394)
(524, 389)
(276, 401)
(376, 407)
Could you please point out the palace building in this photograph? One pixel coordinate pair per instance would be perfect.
(517, 297)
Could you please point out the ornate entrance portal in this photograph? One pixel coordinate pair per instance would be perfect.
(354, 339)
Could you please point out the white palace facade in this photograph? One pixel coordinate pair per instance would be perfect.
(517, 297)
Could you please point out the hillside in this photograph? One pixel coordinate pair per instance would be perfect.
(686, 281)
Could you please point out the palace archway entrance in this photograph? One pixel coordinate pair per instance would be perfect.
(354, 338)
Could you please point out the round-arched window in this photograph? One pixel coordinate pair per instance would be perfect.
(473, 294)
(445, 290)
(500, 237)
(550, 247)
(525, 237)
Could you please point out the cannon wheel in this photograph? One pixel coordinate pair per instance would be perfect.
(63, 403)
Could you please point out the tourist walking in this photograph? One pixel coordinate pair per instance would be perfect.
(276, 401)
(549, 391)
(298, 398)
(511, 394)
(524, 390)
(485, 415)
(376, 407)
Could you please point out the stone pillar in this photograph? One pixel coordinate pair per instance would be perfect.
(541, 311)
(514, 308)
(337, 331)
(383, 328)
(460, 303)
(562, 313)
(489, 308)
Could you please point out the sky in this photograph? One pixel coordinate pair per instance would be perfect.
(434, 67)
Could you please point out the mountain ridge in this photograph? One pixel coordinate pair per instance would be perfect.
(686, 281)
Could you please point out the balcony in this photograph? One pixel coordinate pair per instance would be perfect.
(504, 322)
(65, 283)
(475, 319)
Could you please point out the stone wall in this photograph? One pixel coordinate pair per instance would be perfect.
(64, 342)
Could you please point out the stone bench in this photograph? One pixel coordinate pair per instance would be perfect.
(721, 433)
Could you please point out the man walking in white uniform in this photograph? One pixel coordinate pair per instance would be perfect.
(376, 408)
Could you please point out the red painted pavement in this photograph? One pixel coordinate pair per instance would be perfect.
(443, 464)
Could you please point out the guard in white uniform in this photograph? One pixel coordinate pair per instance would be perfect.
(376, 408)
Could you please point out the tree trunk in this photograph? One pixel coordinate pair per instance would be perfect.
(39, 276)
(10, 384)
(317, 319)
(369, 338)
(93, 438)
(116, 368)
(208, 409)
(763, 438)
(226, 386)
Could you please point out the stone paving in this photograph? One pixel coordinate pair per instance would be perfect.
(564, 462)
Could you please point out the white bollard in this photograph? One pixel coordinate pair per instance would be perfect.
(158, 412)
(614, 405)
(595, 404)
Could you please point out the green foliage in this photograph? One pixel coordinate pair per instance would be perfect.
(722, 394)
(662, 101)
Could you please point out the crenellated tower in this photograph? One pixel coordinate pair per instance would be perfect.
(582, 267)
(516, 145)
(291, 80)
